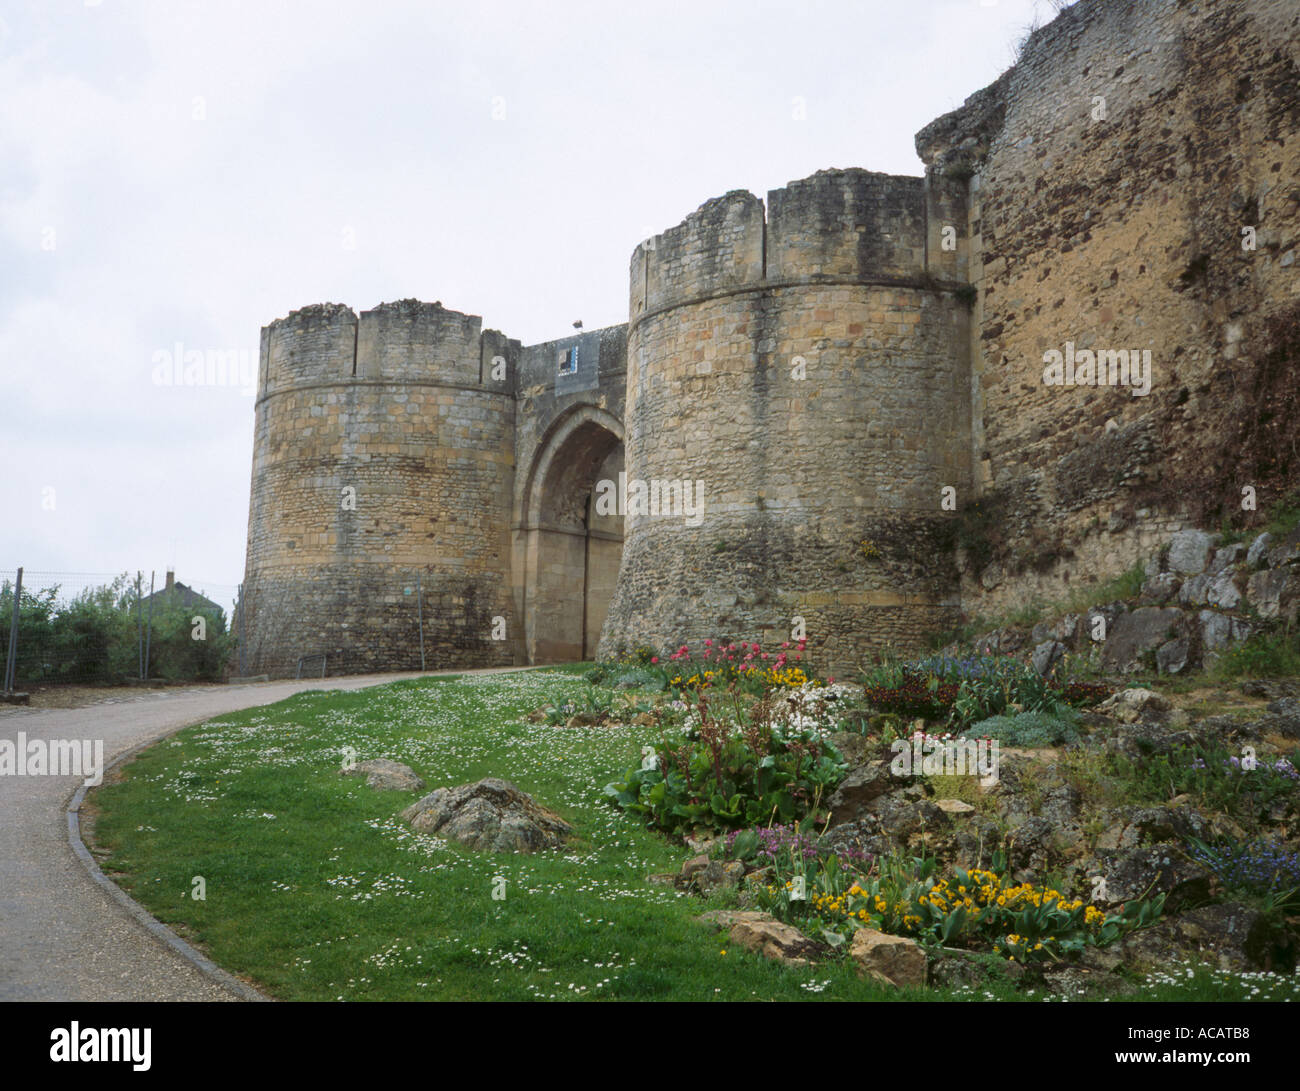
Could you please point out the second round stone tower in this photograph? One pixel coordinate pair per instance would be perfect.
(803, 378)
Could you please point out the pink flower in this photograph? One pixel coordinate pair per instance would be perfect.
(654, 659)
(765, 655)
(707, 643)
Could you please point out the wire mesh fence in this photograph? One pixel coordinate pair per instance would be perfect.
(101, 627)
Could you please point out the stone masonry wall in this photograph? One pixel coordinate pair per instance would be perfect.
(1124, 231)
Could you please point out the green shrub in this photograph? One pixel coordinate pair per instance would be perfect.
(175, 654)
(589, 701)
(639, 678)
(1244, 786)
(1264, 655)
(1029, 729)
(1284, 516)
(965, 691)
(96, 636)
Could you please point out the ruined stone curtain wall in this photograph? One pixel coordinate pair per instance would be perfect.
(1113, 171)
(401, 406)
(811, 372)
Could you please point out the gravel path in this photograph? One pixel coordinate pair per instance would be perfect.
(61, 936)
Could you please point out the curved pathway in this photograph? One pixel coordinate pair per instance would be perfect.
(64, 936)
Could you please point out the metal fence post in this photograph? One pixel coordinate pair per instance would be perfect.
(148, 632)
(419, 610)
(242, 671)
(139, 623)
(11, 660)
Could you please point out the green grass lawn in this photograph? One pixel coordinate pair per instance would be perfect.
(315, 890)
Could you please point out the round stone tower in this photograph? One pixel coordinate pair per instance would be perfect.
(804, 381)
(383, 464)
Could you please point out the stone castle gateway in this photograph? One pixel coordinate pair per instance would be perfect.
(825, 364)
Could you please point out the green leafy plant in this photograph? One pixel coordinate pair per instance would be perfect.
(1243, 786)
(725, 773)
(976, 908)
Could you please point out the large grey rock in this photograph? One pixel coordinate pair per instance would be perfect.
(1166, 823)
(1189, 551)
(1218, 631)
(1000, 641)
(1130, 705)
(1156, 869)
(864, 835)
(382, 773)
(1266, 589)
(1135, 633)
(1061, 805)
(715, 875)
(492, 814)
(1228, 557)
(1160, 588)
(1270, 689)
(1212, 589)
(1046, 656)
(1287, 551)
(1172, 657)
(1283, 719)
(1230, 935)
(1065, 629)
(853, 745)
(1259, 547)
(859, 788)
(1223, 592)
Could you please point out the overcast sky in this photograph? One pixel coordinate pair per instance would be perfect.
(184, 173)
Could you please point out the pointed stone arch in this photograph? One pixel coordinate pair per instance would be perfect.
(569, 555)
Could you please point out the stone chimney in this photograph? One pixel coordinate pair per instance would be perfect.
(171, 579)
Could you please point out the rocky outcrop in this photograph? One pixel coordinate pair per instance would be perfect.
(1199, 599)
(890, 960)
(492, 815)
(765, 935)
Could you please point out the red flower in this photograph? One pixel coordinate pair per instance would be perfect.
(654, 659)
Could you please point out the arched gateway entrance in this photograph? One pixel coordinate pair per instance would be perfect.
(570, 555)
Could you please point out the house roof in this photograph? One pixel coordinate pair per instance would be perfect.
(184, 594)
